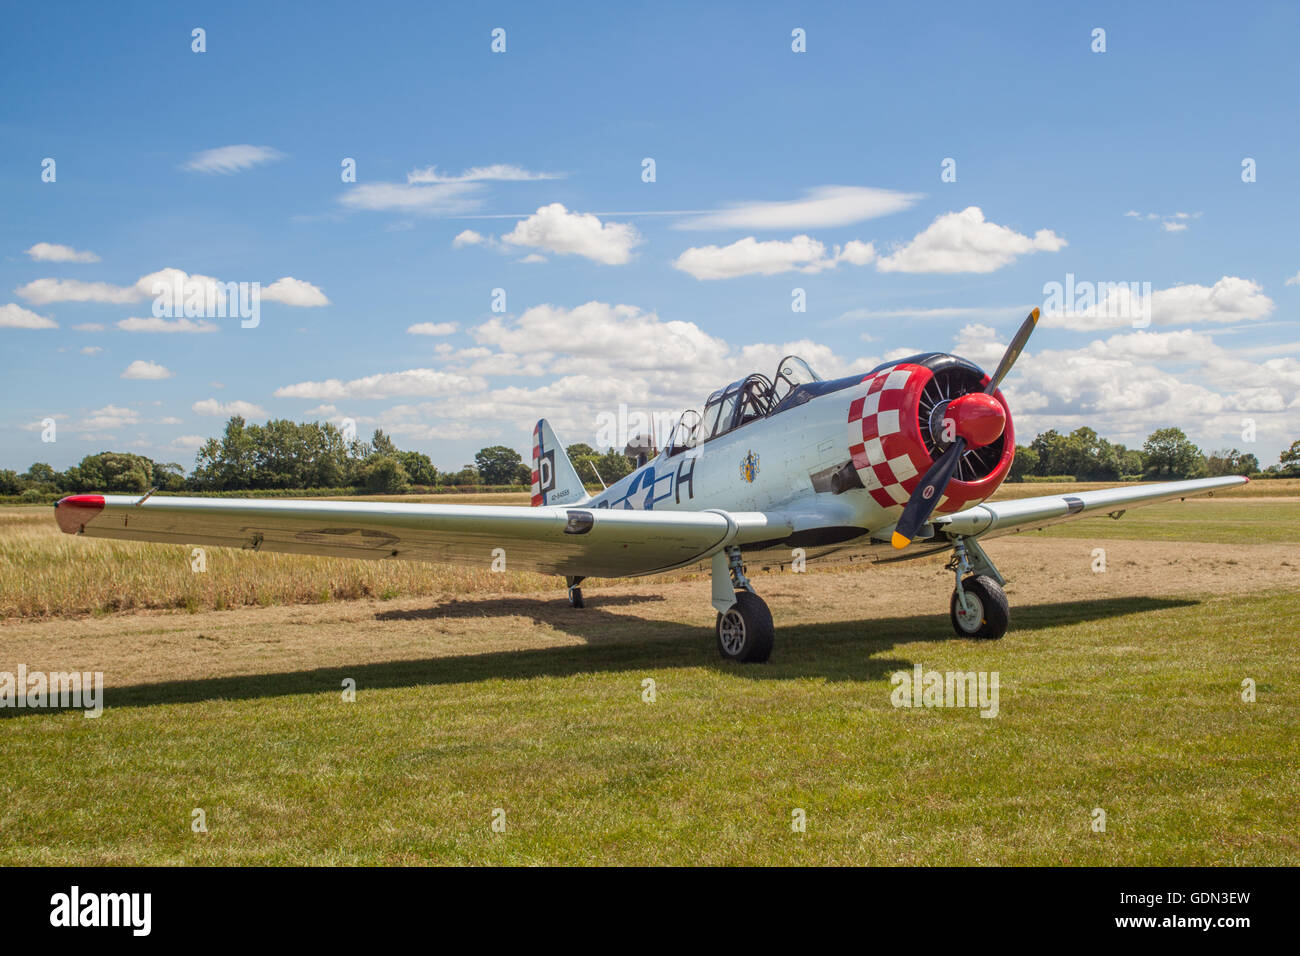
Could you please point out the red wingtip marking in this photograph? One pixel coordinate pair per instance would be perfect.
(74, 511)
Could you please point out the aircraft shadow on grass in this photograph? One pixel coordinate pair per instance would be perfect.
(839, 651)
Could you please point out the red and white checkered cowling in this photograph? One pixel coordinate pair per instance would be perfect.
(888, 451)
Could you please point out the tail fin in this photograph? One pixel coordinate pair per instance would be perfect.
(554, 480)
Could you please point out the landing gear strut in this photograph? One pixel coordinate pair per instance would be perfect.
(575, 592)
(979, 606)
(744, 624)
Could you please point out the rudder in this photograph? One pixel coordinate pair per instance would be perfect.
(555, 482)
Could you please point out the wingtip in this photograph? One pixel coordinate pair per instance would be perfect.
(1034, 315)
(73, 511)
(899, 541)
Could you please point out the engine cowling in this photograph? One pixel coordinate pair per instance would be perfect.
(896, 429)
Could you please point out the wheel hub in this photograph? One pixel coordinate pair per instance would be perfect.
(970, 612)
(731, 631)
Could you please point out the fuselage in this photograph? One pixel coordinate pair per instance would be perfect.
(840, 457)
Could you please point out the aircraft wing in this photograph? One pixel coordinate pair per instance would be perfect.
(568, 541)
(1001, 517)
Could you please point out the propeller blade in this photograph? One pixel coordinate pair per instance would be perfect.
(1013, 352)
(935, 480)
(927, 494)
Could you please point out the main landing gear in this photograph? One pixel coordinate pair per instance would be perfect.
(979, 606)
(744, 624)
(575, 592)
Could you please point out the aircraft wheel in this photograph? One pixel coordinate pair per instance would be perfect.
(575, 597)
(745, 631)
(986, 615)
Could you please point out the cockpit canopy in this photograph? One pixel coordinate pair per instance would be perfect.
(753, 397)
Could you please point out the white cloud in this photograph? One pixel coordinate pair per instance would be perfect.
(966, 242)
(210, 406)
(143, 369)
(108, 417)
(92, 350)
(468, 237)
(437, 199)
(1119, 386)
(1294, 280)
(53, 252)
(554, 229)
(416, 381)
(188, 442)
(503, 172)
(945, 312)
(152, 324)
(45, 291)
(431, 328)
(13, 316)
(90, 327)
(232, 159)
(1231, 299)
(533, 258)
(291, 291)
(1173, 222)
(823, 207)
(181, 285)
(750, 256)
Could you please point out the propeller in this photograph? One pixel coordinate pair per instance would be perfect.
(979, 420)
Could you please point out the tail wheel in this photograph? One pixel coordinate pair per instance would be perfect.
(986, 612)
(745, 631)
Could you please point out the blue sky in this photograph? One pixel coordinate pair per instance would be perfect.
(775, 170)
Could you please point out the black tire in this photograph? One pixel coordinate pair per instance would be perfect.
(575, 598)
(745, 632)
(994, 611)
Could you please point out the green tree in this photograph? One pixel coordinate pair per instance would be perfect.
(466, 476)
(1290, 459)
(1049, 446)
(226, 464)
(578, 450)
(1170, 454)
(614, 465)
(1230, 462)
(381, 444)
(41, 474)
(497, 465)
(419, 466)
(385, 475)
(11, 483)
(113, 471)
(1024, 463)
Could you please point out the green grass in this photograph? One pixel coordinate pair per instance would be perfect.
(1130, 705)
(1212, 521)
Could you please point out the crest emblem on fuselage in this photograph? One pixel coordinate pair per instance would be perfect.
(749, 467)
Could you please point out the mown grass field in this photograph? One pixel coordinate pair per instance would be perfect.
(1120, 692)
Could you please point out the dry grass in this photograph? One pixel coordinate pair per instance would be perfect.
(45, 573)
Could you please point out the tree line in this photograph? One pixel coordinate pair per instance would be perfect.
(284, 456)
(1167, 454)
